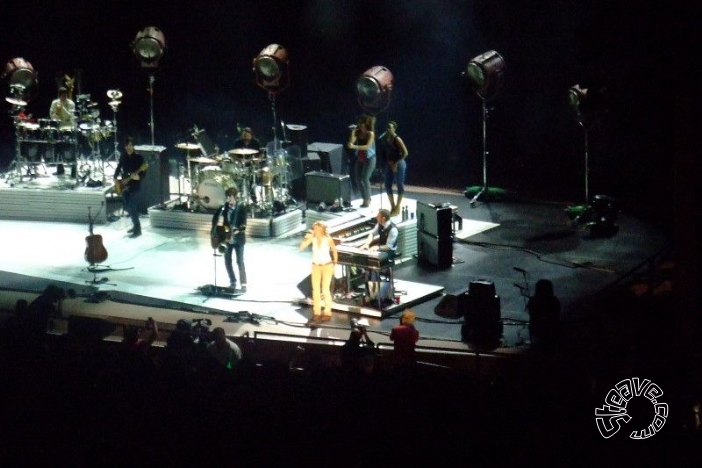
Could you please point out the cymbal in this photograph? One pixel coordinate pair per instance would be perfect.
(187, 146)
(15, 101)
(114, 94)
(114, 103)
(202, 160)
(243, 151)
(296, 127)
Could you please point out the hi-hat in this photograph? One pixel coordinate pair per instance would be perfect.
(114, 103)
(243, 151)
(114, 94)
(187, 146)
(202, 160)
(15, 101)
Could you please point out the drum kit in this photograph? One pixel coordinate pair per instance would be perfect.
(47, 137)
(262, 182)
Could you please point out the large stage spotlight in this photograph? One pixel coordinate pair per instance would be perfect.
(270, 68)
(149, 46)
(374, 88)
(21, 80)
(485, 73)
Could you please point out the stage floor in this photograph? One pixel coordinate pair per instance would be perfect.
(159, 273)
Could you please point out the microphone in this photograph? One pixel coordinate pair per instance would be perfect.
(521, 270)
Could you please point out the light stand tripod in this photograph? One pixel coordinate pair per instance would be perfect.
(152, 78)
(484, 190)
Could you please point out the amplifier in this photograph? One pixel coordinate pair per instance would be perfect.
(434, 220)
(324, 187)
(434, 250)
(154, 188)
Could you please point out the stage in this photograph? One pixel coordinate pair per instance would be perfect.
(161, 273)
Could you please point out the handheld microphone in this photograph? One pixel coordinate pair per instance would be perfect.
(521, 270)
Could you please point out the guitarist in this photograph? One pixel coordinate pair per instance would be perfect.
(131, 167)
(232, 217)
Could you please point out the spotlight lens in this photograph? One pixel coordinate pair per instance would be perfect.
(367, 88)
(268, 67)
(476, 75)
(148, 49)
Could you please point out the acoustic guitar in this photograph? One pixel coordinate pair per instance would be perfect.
(220, 236)
(95, 251)
(122, 184)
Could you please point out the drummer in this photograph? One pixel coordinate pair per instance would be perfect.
(247, 140)
(63, 109)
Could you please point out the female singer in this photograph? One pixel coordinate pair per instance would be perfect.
(324, 259)
(362, 140)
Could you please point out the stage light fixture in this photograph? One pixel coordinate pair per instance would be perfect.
(374, 88)
(21, 80)
(149, 46)
(585, 104)
(485, 73)
(270, 68)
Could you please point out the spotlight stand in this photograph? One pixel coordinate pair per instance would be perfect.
(484, 190)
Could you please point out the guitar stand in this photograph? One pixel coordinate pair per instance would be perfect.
(212, 290)
(94, 269)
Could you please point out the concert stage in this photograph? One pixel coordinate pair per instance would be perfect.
(159, 274)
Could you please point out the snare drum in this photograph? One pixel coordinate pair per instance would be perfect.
(212, 183)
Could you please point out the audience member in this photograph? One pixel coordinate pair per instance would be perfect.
(223, 350)
(405, 337)
(358, 353)
(544, 310)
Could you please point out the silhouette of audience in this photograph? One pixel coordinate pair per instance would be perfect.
(544, 310)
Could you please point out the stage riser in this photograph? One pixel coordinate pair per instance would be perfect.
(255, 227)
(69, 205)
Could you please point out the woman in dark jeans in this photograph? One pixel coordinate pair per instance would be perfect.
(362, 141)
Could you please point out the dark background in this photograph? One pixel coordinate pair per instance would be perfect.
(535, 145)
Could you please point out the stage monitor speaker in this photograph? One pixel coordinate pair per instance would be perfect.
(483, 320)
(434, 250)
(331, 155)
(453, 305)
(305, 286)
(323, 187)
(297, 135)
(434, 220)
(154, 188)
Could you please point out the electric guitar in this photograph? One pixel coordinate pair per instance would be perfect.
(122, 184)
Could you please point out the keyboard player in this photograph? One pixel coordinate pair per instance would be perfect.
(387, 234)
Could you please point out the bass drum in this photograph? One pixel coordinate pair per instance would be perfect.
(211, 187)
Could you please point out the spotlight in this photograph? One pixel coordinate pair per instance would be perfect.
(485, 73)
(21, 79)
(149, 46)
(374, 88)
(270, 68)
(585, 104)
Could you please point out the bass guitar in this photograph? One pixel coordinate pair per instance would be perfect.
(122, 184)
(95, 251)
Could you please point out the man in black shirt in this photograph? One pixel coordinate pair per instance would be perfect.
(131, 167)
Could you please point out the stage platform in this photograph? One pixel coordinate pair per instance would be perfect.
(53, 198)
